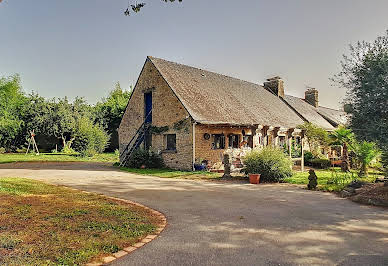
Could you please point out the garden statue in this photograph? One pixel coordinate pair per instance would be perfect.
(226, 166)
(313, 180)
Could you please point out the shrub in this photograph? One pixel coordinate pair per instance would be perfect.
(271, 163)
(308, 157)
(148, 159)
(90, 138)
(321, 163)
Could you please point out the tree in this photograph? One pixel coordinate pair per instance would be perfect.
(343, 137)
(136, 7)
(12, 100)
(316, 137)
(109, 112)
(365, 76)
(365, 152)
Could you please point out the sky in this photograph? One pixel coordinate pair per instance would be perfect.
(82, 48)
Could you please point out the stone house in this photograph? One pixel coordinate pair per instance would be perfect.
(190, 115)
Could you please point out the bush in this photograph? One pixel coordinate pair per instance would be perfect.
(320, 163)
(271, 163)
(308, 157)
(148, 159)
(89, 138)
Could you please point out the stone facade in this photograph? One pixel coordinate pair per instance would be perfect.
(204, 149)
(167, 110)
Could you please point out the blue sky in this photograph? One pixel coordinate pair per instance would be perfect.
(82, 48)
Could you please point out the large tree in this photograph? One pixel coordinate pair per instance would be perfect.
(365, 76)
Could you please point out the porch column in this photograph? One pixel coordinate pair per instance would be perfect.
(276, 136)
(289, 141)
(302, 159)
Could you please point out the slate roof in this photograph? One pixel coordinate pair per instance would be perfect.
(335, 117)
(212, 98)
(309, 112)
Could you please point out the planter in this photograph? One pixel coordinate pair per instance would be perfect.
(254, 178)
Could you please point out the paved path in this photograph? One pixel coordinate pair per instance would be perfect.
(233, 224)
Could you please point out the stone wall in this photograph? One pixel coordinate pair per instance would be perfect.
(203, 147)
(167, 110)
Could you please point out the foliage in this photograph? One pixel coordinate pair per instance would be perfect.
(89, 138)
(143, 158)
(53, 225)
(271, 163)
(365, 153)
(57, 121)
(138, 6)
(343, 137)
(109, 112)
(12, 100)
(364, 75)
(316, 137)
(384, 161)
(308, 156)
(321, 163)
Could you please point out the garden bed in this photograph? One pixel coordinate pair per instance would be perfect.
(43, 224)
(372, 194)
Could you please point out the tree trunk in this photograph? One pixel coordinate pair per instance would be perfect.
(345, 159)
(63, 141)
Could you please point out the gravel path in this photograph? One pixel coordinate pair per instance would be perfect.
(212, 223)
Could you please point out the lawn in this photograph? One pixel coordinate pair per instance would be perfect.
(170, 173)
(330, 179)
(42, 224)
(55, 157)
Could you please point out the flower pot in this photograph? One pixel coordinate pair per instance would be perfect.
(254, 178)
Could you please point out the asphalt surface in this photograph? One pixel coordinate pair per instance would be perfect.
(214, 223)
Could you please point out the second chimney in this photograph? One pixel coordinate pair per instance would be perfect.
(311, 96)
(275, 85)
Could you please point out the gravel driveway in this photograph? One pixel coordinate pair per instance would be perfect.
(213, 223)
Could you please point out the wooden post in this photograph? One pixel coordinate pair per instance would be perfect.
(290, 146)
(302, 159)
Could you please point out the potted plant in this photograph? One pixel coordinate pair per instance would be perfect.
(254, 178)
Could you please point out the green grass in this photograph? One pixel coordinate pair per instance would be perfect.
(53, 157)
(337, 179)
(170, 173)
(42, 224)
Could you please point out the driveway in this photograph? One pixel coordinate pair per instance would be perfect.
(214, 223)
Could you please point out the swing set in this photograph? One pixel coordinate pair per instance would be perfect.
(32, 142)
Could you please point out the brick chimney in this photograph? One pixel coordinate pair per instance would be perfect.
(311, 96)
(275, 85)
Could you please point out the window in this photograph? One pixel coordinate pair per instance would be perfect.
(171, 142)
(234, 141)
(219, 141)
